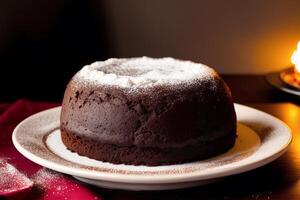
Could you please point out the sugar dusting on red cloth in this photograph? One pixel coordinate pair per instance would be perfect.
(18, 174)
(60, 187)
(12, 181)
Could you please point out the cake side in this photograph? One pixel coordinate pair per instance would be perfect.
(150, 156)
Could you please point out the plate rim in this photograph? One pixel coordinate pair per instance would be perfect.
(274, 80)
(161, 179)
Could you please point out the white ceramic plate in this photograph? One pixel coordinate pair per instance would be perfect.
(261, 139)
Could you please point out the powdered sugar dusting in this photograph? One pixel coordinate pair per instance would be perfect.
(44, 176)
(12, 180)
(58, 186)
(143, 72)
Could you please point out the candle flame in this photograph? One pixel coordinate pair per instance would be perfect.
(296, 58)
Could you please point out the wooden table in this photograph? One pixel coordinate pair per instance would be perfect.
(277, 180)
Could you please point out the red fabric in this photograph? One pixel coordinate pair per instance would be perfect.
(59, 187)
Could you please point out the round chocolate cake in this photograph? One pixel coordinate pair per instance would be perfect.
(146, 111)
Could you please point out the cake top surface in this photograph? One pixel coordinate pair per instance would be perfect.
(144, 72)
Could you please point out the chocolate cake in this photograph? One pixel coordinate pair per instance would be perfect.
(147, 111)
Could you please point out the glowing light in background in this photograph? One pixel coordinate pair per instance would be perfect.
(296, 58)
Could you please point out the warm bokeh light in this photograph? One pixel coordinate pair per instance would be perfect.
(296, 58)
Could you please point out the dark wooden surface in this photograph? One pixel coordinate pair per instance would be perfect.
(277, 180)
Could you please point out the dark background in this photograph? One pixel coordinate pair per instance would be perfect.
(44, 42)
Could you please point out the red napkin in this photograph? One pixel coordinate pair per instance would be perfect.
(23, 179)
